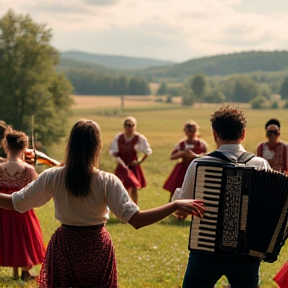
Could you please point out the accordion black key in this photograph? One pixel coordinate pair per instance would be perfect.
(246, 210)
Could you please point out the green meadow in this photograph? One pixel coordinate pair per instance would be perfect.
(155, 256)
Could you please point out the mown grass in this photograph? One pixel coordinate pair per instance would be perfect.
(156, 256)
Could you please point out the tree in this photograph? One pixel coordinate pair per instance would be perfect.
(285, 106)
(198, 86)
(284, 89)
(245, 89)
(29, 82)
(162, 89)
(214, 96)
(188, 96)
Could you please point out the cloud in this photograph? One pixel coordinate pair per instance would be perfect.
(186, 29)
(99, 2)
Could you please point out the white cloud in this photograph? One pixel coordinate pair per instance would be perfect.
(203, 27)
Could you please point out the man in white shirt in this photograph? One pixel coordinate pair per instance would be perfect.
(204, 268)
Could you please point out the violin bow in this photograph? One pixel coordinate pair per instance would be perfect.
(32, 138)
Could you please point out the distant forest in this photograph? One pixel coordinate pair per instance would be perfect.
(267, 69)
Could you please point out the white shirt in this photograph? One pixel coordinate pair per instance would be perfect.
(229, 150)
(142, 146)
(106, 191)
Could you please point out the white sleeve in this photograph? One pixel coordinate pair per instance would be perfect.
(144, 146)
(118, 199)
(35, 194)
(259, 162)
(114, 146)
(187, 189)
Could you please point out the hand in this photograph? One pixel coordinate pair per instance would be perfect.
(190, 206)
(29, 156)
(189, 154)
(133, 163)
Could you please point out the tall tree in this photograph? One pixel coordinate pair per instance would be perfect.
(284, 89)
(198, 86)
(162, 89)
(29, 82)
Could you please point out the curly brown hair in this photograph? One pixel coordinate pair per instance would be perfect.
(228, 122)
(15, 141)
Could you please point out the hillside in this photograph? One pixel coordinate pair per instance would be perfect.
(222, 65)
(218, 65)
(66, 64)
(112, 61)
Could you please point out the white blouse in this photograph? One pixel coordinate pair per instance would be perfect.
(142, 145)
(106, 191)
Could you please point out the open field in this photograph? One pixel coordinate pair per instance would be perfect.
(155, 256)
(100, 102)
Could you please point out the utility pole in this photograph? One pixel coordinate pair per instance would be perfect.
(122, 101)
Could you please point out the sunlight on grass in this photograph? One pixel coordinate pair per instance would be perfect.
(156, 256)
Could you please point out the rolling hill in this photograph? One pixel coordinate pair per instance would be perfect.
(218, 65)
(113, 61)
(222, 65)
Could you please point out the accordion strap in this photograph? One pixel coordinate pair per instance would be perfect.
(243, 159)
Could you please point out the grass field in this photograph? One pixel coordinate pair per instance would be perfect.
(154, 256)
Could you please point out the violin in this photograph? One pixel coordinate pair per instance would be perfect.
(35, 157)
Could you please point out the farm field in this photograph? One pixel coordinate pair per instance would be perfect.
(154, 256)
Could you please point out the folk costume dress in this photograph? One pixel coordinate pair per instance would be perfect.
(80, 253)
(176, 177)
(21, 242)
(127, 150)
(276, 156)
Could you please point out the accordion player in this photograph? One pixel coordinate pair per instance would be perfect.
(246, 210)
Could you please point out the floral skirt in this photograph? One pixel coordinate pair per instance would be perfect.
(79, 256)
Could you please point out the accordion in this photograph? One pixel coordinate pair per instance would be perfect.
(246, 210)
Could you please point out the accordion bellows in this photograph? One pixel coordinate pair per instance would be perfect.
(246, 210)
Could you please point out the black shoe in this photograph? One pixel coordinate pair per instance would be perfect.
(25, 276)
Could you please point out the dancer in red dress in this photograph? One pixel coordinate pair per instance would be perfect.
(21, 242)
(125, 148)
(274, 150)
(186, 151)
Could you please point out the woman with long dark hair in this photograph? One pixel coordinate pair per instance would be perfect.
(80, 252)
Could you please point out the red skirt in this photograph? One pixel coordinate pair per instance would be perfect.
(281, 277)
(21, 242)
(176, 178)
(132, 177)
(79, 256)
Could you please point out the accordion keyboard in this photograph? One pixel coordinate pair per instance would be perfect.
(208, 188)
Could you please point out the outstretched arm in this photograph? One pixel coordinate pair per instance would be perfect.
(148, 217)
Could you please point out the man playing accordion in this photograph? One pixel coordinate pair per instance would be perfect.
(205, 268)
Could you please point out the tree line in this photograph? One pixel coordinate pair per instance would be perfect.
(233, 88)
(92, 83)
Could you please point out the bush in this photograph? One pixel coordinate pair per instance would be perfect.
(259, 102)
(285, 106)
(274, 105)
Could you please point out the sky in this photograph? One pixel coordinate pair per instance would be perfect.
(175, 30)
